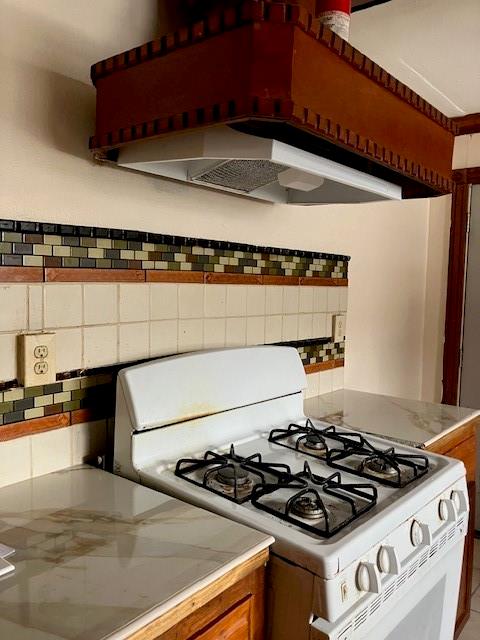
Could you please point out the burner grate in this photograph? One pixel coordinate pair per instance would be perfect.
(308, 501)
(230, 475)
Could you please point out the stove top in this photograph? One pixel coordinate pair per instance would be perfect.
(322, 504)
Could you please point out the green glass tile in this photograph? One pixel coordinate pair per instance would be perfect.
(78, 394)
(120, 244)
(72, 405)
(79, 252)
(5, 247)
(33, 392)
(88, 242)
(70, 262)
(10, 236)
(103, 263)
(6, 407)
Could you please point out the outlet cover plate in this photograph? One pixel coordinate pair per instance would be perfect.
(36, 359)
(338, 329)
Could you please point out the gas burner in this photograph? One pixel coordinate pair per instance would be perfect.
(321, 506)
(379, 466)
(316, 442)
(230, 475)
(386, 466)
(308, 507)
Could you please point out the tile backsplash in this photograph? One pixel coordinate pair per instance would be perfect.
(206, 294)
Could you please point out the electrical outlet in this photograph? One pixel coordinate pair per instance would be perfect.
(338, 329)
(36, 359)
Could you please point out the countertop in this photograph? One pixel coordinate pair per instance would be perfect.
(98, 556)
(412, 422)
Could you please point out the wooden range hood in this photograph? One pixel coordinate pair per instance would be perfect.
(270, 69)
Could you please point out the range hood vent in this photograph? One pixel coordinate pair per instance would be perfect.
(262, 100)
(229, 160)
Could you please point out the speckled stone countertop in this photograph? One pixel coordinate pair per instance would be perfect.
(408, 421)
(98, 556)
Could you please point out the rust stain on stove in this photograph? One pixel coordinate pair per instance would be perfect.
(196, 411)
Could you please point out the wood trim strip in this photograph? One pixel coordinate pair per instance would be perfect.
(36, 425)
(455, 293)
(234, 278)
(324, 366)
(64, 274)
(93, 275)
(21, 274)
(202, 597)
(467, 176)
(467, 124)
(175, 276)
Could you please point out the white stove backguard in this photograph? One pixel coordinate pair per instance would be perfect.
(184, 389)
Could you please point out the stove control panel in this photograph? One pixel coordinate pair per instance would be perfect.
(400, 557)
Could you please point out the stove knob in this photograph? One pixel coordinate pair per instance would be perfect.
(388, 561)
(459, 501)
(368, 578)
(447, 511)
(420, 534)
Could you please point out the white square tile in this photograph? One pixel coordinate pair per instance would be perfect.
(312, 389)
(326, 381)
(320, 299)
(69, 349)
(343, 299)
(333, 299)
(273, 329)
(51, 451)
(337, 379)
(88, 441)
(15, 460)
(255, 300)
(133, 341)
(236, 332)
(134, 302)
(255, 330)
(100, 346)
(214, 332)
(8, 356)
(191, 300)
(305, 326)
(319, 326)
(163, 337)
(190, 335)
(291, 300)
(290, 328)
(163, 301)
(215, 300)
(100, 303)
(35, 307)
(236, 300)
(13, 305)
(63, 305)
(273, 300)
(306, 299)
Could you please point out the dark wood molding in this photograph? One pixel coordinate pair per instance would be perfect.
(463, 178)
(309, 74)
(467, 124)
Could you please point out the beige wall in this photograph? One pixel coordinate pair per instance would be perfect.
(47, 114)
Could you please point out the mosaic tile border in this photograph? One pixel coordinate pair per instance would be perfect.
(56, 246)
(84, 395)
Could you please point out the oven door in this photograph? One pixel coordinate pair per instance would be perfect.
(424, 609)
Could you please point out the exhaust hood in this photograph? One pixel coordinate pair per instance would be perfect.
(263, 101)
(225, 159)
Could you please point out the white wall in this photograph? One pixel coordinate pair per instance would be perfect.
(47, 114)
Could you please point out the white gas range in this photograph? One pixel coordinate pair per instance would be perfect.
(368, 538)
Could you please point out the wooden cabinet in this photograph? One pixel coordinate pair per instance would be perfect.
(461, 444)
(231, 608)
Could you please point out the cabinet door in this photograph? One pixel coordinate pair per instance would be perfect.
(234, 625)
